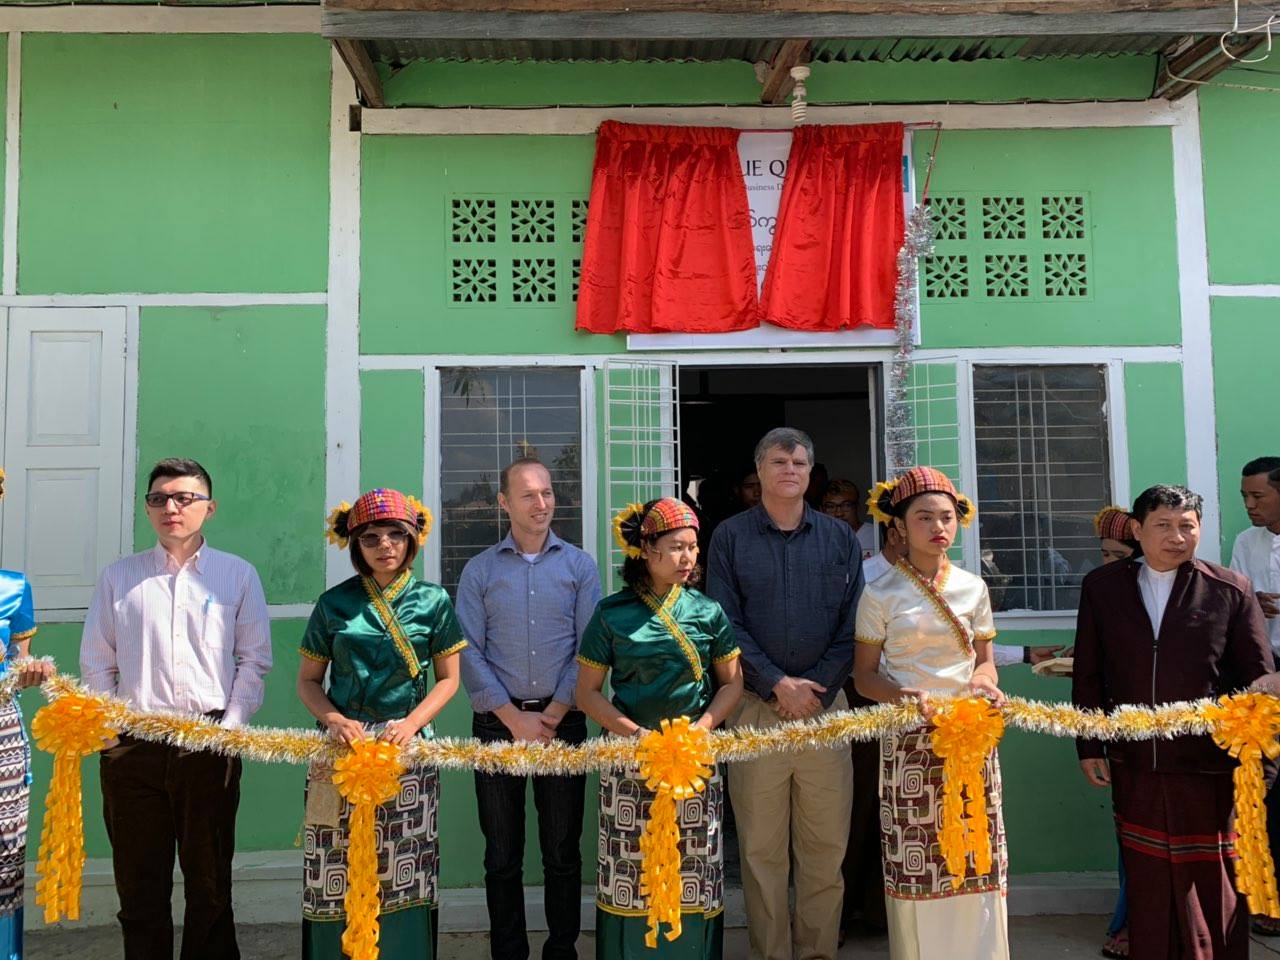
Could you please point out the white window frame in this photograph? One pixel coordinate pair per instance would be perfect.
(1115, 413)
(431, 491)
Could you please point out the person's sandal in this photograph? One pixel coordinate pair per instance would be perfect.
(1116, 946)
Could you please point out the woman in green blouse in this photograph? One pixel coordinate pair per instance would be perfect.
(672, 653)
(377, 635)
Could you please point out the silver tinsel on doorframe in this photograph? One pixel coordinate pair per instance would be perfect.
(900, 432)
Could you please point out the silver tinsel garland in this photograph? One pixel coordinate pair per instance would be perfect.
(900, 431)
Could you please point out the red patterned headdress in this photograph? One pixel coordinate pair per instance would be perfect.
(633, 524)
(378, 506)
(1113, 523)
(889, 493)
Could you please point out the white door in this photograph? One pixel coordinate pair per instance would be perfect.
(64, 449)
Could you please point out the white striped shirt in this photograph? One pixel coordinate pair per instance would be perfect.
(194, 638)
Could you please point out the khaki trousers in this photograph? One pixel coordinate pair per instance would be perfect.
(792, 812)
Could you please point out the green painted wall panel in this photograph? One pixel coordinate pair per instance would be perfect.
(391, 430)
(408, 253)
(1043, 784)
(1156, 426)
(163, 164)
(1122, 181)
(242, 391)
(448, 83)
(1244, 392)
(1240, 137)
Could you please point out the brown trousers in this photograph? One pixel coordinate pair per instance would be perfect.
(158, 800)
(1176, 842)
(792, 811)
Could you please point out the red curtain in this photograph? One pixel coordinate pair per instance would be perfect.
(668, 245)
(840, 224)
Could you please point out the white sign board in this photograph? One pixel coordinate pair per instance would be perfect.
(764, 167)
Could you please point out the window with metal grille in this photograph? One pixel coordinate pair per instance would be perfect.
(1044, 470)
(489, 417)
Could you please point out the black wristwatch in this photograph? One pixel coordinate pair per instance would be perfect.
(1026, 654)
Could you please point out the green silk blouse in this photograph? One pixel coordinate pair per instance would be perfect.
(379, 644)
(662, 652)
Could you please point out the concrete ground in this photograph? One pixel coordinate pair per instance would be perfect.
(1033, 938)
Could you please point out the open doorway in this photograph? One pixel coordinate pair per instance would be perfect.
(724, 411)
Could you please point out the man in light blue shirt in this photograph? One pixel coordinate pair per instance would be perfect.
(524, 604)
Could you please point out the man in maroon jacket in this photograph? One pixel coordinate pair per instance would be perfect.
(1161, 629)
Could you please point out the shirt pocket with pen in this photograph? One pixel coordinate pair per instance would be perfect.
(218, 623)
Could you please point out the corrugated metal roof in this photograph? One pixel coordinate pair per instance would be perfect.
(403, 51)
(861, 50)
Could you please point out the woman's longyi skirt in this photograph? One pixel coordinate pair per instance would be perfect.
(928, 918)
(620, 909)
(408, 868)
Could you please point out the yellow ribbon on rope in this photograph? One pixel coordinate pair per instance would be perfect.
(965, 732)
(70, 728)
(674, 762)
(1246, 726)
(367, 776)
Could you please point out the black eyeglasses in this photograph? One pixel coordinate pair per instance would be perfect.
(371, 540)
(182, 499)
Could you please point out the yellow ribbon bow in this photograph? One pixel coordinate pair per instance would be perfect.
(965, 733)
(367, 776)
(70, 727)
(674, 762)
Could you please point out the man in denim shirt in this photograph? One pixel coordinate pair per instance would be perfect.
(523, 605)
(789, 578)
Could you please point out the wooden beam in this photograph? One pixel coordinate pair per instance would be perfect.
(739, 7)
(356, 56)
(1201, 62)
(778, 84)
(402, 19)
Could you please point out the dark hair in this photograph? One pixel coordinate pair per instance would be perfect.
(1272, 477)
(635, 572)
(1166, 495)
(846, 487)
(1267, 465)
(504, 479)
(171, 467)
(410, 550)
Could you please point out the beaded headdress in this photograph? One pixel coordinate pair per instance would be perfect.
(889, 493)
(1113, 523)
(633, 523)
(378, 506)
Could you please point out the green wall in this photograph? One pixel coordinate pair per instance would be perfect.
(1240, 137)
(164, 164)
(1046, 798)
(1244, 393)
(409, 292)
(242, 391)
(1122, 181)
(451, 83)
(1156, 425)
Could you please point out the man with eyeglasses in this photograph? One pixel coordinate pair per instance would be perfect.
(178, 627)
(842, 501)
(524, 605)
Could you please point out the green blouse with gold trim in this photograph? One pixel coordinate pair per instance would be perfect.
(380, 643)
(661, 650)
